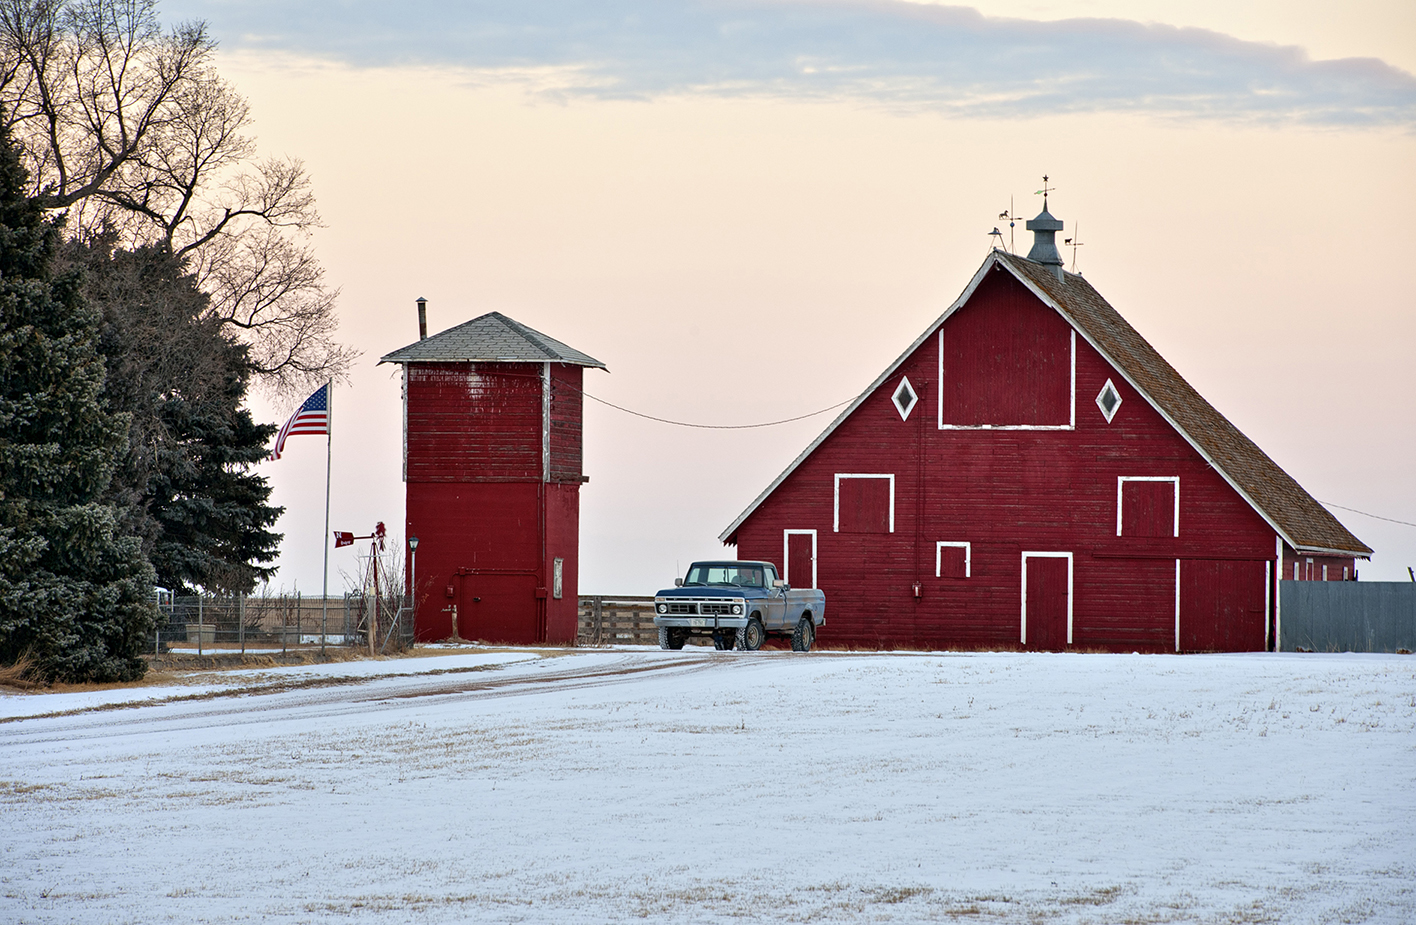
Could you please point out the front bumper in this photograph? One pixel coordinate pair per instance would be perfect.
(700, 623)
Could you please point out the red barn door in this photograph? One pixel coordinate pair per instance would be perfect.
(1222, 605)
(800, 564)
(1047, 591)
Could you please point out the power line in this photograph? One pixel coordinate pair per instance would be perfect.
(650, 417)
(1405, 523)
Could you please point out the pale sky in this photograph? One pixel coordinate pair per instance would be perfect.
(748, 209)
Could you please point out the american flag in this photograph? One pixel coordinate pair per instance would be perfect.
(312, 418)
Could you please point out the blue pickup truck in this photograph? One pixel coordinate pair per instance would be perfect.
(738, 604)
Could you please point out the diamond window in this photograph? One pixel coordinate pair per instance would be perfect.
(1108, 400)
(904, 398)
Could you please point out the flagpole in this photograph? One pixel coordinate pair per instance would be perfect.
(329, 456)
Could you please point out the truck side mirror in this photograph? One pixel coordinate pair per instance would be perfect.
(779, 583)
(678, 582)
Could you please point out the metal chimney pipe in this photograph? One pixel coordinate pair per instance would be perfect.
(422, 318)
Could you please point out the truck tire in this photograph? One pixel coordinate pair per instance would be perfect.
(724, 640)
(670, 638)
(751, 637)
(804, 635)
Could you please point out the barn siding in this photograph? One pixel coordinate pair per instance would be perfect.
(473, 422)
(566, 422)
(1004, 491)
(1006, 360)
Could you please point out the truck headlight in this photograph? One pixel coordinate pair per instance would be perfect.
(737, 608)
(663, 608)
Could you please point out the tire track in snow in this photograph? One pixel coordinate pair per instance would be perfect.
(347, 696)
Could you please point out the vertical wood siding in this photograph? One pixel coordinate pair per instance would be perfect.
(1006, 492)
(798, 568)
(1006, 360)
(1221, 605)
(1046, 592)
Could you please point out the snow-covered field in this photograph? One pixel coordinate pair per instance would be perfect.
(699, 786)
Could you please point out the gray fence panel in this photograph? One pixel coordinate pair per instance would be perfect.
(1347, 616)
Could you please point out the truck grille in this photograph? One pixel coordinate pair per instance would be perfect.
(707, 608)
(683, 608)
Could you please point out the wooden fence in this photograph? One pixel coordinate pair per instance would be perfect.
(607, 620)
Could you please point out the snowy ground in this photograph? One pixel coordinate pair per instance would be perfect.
(700, 786)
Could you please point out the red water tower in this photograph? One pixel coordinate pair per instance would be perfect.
(492, 464)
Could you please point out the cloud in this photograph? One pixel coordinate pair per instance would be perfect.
(949, 59)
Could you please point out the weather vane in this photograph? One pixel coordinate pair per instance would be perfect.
(1012, 222)
(1075, 241)
(1044, 191)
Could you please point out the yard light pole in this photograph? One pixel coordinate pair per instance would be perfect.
(413, 579)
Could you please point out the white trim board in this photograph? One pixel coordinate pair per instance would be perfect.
(939, 557)
(1177, 605)
(1121, 480)
(836, 495)
(1046, 555)
(787, 558)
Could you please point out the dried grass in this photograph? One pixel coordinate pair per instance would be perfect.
(22, 675)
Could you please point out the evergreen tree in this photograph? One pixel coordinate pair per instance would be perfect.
(75, 589)
(184, 482)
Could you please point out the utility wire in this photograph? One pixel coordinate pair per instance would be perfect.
(650, 417)
(1393, 520)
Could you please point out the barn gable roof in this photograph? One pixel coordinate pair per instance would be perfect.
(1303, 523)
(492, 337)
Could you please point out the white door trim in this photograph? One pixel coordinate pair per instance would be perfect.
(787, 558)
(1046, 555)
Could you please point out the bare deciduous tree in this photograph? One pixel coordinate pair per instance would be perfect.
(129, 128)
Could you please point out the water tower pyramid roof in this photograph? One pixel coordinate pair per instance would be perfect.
(492, 337)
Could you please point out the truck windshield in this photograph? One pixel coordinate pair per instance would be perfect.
(741, 576)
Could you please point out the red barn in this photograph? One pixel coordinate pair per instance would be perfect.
(1031, 472)
(491, 460)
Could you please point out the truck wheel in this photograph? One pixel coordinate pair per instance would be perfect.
(724, 640)
(803, 636)
(752, 636)
(670, 638)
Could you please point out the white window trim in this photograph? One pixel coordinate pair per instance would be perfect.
(1072, 417)
(1121, 480)
(1115, 408)
(836, 526)
(939, 557)
(786, 554)
(905, 383)
(1033, 554)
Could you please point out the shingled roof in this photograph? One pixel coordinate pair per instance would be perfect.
(492, 337)
(1298, 517)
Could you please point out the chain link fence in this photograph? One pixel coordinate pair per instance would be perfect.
(281, 622)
